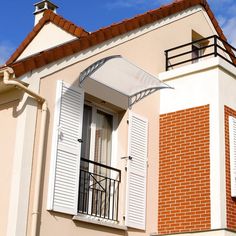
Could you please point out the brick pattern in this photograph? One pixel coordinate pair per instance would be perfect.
(99, 36)
(184, 171)
(230, 202)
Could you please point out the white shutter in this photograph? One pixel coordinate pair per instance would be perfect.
(136, 172)
(232, 139)
(65, 164)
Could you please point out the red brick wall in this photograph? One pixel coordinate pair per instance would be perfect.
(230, 202)
(184, 171)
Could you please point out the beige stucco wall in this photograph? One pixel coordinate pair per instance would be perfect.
(8, 118)
(59, 224)
(146, 51)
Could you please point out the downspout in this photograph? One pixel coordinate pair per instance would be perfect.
(7, 72)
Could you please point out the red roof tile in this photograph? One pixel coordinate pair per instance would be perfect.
(87, 40)
(49, 16)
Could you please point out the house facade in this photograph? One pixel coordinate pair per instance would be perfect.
(128, 130)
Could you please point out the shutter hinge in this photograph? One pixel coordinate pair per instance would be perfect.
(127, 121)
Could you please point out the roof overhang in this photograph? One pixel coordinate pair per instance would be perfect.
(121, 76)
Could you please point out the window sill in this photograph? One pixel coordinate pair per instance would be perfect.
(98, 221)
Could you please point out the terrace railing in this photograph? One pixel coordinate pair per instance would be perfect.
(212, 46)
(99, 190)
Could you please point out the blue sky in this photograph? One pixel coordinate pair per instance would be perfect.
(17, 17)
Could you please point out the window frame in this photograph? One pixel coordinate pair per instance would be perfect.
(95, 106)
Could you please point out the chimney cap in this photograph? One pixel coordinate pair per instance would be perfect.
(44, 5)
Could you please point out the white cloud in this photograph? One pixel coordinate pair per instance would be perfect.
(229, 30)
(229, 25)
(6, 49)
(226, 8)
(225, 13)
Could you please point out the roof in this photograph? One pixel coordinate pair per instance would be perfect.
(86, 40)
(49, 16)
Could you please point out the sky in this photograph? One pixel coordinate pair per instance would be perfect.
(17, 17)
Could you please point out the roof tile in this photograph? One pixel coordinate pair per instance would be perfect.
(52, 16)
(99, 36)
(39, 60)
(75, 46)
(78, 32)
(58, 53)
(29, 64)
(49, 57)
(87, 40)
(107, 33)
(122, 28)
(72, 29)
(115, 30)
(46, 16)
(61, 23)
(49, 16)
(67, 26)
(19, 69)
(93, 39)
(56, 20)
(84, 43)
(67, 50)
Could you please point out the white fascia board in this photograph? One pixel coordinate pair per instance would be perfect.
(206, 64)
(80, 56)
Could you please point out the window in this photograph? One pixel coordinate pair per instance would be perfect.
(99, 183)
(82, 178)
(198, 46)
(97, 135)
(196, 52)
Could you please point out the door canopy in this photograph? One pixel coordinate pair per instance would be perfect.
(122, 76)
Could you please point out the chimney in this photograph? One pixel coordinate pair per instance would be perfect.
(41, 7)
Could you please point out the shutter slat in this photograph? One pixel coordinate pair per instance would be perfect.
(232, 138)
(136, 173)
(66, 149)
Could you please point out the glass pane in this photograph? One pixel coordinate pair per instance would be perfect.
(195, 52)
(103, 138)
(102, 154)
(86, 132)
(84, 183)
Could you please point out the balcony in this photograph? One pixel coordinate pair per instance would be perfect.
(99, 190)
(196, 51)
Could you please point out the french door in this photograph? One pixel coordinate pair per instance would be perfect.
(96, 149)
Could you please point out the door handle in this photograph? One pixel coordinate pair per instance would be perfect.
(129, 157)
(79, 140)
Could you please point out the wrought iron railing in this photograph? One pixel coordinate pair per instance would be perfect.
(99, 190)
(212, 46)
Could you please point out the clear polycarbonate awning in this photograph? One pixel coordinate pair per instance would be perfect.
(122, 76)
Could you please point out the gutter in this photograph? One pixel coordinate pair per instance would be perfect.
(7, 74)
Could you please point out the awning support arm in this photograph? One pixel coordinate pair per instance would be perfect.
(95, 66)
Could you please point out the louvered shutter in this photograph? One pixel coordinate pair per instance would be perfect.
(136, 172)
(65, 165)
(232, 138)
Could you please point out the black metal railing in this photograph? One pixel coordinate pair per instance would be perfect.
(211, 46)
(99, 190)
